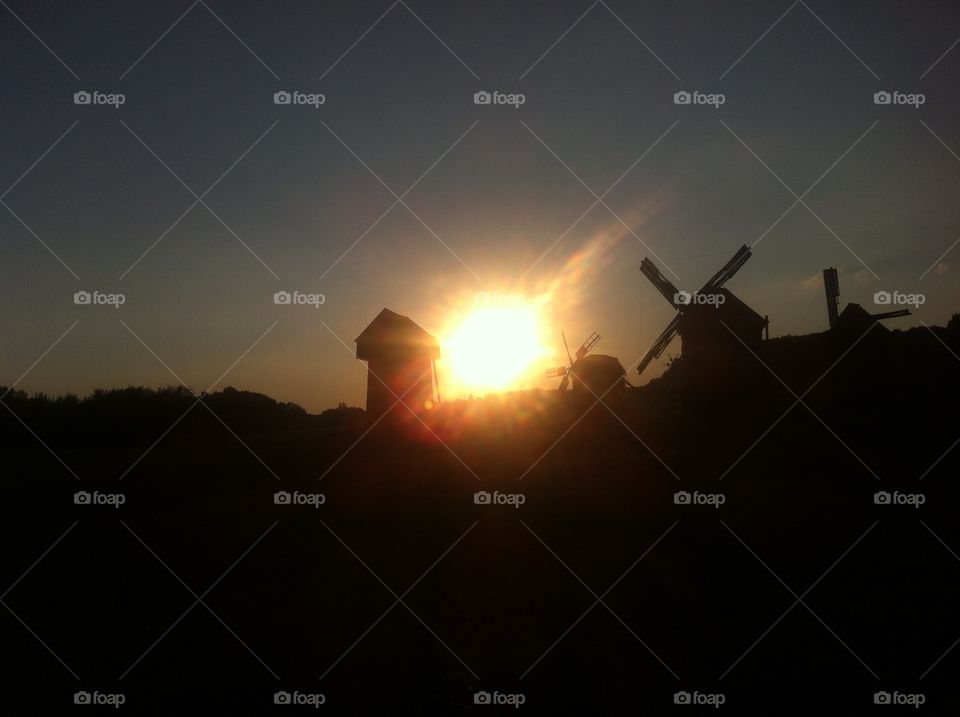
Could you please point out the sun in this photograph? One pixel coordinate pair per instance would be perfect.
(492, 348)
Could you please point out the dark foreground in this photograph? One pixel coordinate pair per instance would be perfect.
(600, 593)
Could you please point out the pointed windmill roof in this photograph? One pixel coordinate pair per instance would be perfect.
(390, 330)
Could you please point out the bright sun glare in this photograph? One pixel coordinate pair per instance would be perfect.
(492, 348)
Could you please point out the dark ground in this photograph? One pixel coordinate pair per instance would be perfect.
(700, 598)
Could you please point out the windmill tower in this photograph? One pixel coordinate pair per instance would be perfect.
(401, 375)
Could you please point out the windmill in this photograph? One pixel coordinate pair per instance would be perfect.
(568, 370)
(853, 317)
(686, 303)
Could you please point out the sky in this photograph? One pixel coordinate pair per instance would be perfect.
(198, 198)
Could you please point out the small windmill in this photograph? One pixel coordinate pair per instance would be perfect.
(682, 301)
(568, 371)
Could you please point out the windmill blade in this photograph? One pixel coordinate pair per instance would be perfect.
(890, 314)
(659, 281)
(558, 371)
(660, 344)
(569, 357)
(588, 344)
(565, 382)
(728, 270)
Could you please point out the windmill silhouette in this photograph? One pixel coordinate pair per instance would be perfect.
(704, 325)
